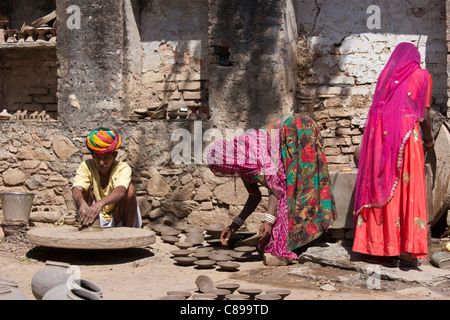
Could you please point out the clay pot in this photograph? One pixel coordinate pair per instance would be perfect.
(9, 290)
(237, 297)
(203, 249)
(204, 283)
(185, 294)
(220, 293)
(215, 230)
(181, 253)
(173, 114)
(267, 297)
(172, 297)
(11, 36)
(204, 296)
(219, 257)
(201, 255)
(192, 229)
(228, 286)
(205, 264)
(51, 275)
(195, 239)
(185, 261)
(251, 292)
(245, 249)
(78, 289)
(241, 256)
(170, 232)
(228, 266)
(183, 245)
(283, 293)
(170, 239)
(30, 34)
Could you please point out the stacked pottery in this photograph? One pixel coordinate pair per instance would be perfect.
(51, 275)
(9, 290)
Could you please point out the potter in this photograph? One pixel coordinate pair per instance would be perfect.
(191, 310)
(102, 188)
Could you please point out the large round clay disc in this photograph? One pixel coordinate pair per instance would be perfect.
(69, 237)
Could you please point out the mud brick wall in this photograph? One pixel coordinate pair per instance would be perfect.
(28, 80)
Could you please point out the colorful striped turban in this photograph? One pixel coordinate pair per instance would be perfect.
(102, 140)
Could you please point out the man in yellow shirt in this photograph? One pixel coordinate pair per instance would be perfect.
(102, 186)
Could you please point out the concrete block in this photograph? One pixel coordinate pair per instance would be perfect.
(343, 184)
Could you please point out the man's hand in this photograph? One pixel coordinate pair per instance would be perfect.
(90, 214)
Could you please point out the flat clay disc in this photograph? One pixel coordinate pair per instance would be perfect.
(69, 237)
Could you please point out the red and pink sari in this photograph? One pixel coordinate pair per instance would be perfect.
(390, 196)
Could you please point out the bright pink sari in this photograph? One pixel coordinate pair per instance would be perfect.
(379, 170)
(247, 156)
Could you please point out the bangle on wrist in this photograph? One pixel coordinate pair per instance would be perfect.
(270, 219)
(429, 144)
(238, 221)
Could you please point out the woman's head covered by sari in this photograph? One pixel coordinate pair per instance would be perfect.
(390, 121)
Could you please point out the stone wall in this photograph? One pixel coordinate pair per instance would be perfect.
(340, 55)
(28, 80)
(250, 61)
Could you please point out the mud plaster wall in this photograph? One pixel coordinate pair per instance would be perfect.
(111, 66)
(340, 58)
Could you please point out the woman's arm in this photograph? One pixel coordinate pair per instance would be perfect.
(254, 198)
(426, 124)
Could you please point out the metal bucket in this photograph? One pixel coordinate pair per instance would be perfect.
(16, 205)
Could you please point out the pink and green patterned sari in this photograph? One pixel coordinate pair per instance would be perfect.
(294, 164)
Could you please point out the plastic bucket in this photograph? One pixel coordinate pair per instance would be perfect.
(16, 205)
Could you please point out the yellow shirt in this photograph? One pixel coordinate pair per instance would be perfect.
(88, 176)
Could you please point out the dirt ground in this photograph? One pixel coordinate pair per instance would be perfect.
(148, 273)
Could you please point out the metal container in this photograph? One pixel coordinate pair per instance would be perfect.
(17, 205)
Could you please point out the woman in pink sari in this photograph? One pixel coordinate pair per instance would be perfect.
(390, 197)
(287, 157)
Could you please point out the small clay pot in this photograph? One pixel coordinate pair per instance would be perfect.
(185, 261)
(51, 275)
(267, 297)
(237, 297)
(172, 297)
(201, 255)
(220, 293)
(228, 266)
(170, 239)
(204, 283)
(228, 286)
(9, 290)
(185, 294)
(193, 230)
(183, 245)
(251, 292)
(205, 264)
(219, 257)
(245, 249)
(283, 293)
(204, 296)
(181, 253)
(170, 232)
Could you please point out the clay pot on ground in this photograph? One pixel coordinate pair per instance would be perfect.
(228, 266)
(11, 34)
(220, 293)
(51, 275)
(185, 294)
(185, 261)
(79, 289)
(228, 286)
(204, 283)
(215, 230)
(193, 115)
(251, 292)
(9, 290)
(267, 297)
(237, 297)
(205, 264)
(283, 293)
